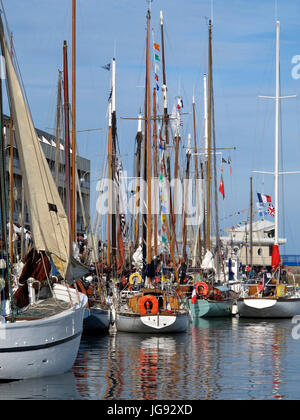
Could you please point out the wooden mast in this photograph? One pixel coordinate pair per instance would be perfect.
(113, 165)
(109, 190)
(11, 171)
(74, 195)
(197, 181)
(165, 122)
(208, 162)
(155, 172)
(139, 139)
(187, 175)
(251, 224)
(148, 142)
(67, 137)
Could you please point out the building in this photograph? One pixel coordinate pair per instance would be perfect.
(238, 243)
(48, 143)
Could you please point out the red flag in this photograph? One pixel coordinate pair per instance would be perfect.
(221, 187)
(275, 257)
(194, 297)
(156, 77)
(156, 46)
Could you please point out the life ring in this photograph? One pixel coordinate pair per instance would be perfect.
(148, 304)
(133, 276)
(202, 288)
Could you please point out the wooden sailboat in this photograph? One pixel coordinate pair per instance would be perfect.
(149, 309)
(272, 299)
(39, 336)
(210, 298)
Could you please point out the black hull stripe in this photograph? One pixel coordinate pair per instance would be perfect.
(39, 347)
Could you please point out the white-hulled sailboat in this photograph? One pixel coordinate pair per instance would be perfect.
(150, 310)
(283, 301)
(41, 336)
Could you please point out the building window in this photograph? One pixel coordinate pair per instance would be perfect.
(260, 252)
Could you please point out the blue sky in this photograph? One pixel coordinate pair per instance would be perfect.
(244, 67)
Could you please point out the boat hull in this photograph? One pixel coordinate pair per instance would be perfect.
(43, 347)
(268, 308)
(208, 308)
(158, 324)
(98, 320)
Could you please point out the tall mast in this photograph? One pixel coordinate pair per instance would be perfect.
(187, 175)
(197, 180)
(155, 172)
(113, 163)
(148, 138)
(251, 223)
(109, 189)
(209, 119)
(165, 121)
(11, 171)
(67, 136)
(277, 98)
(74, 195)
(139, 139)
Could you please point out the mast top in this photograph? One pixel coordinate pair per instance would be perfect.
(149, 5)
(161, 18)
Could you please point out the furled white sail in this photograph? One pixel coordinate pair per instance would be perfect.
(208, 262)
(48, 220)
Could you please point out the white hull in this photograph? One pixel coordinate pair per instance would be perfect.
(157, 324)
(44, 347)
(268, 308)
(97, 320)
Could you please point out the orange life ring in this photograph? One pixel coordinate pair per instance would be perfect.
(148, 304)
(201, 288)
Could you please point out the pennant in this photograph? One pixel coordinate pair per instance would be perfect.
(156, 56)
(224, 160)
(106, 67)
(263, 198)
(156, 47)
(157, 87)
(221, 187)
(156, 77)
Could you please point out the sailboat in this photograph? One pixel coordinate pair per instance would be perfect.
(273, 299)
(39, 332)
(149, 308)
(210, 297)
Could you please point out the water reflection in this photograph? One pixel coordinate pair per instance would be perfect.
(216, 359)
(61, 387)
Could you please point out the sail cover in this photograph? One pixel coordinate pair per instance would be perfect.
(49, 224)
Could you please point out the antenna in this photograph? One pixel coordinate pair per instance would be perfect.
(276, 9)
(149, 4)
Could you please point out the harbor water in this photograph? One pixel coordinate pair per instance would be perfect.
(217, 359)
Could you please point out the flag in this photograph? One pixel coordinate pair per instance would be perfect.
(221, 187)
(106, 67)
(156, 56)
(156, 77)
(194, 296)
(275, 257)
(263, 198)
(271, 210)
(224, 160)
(157, 47)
